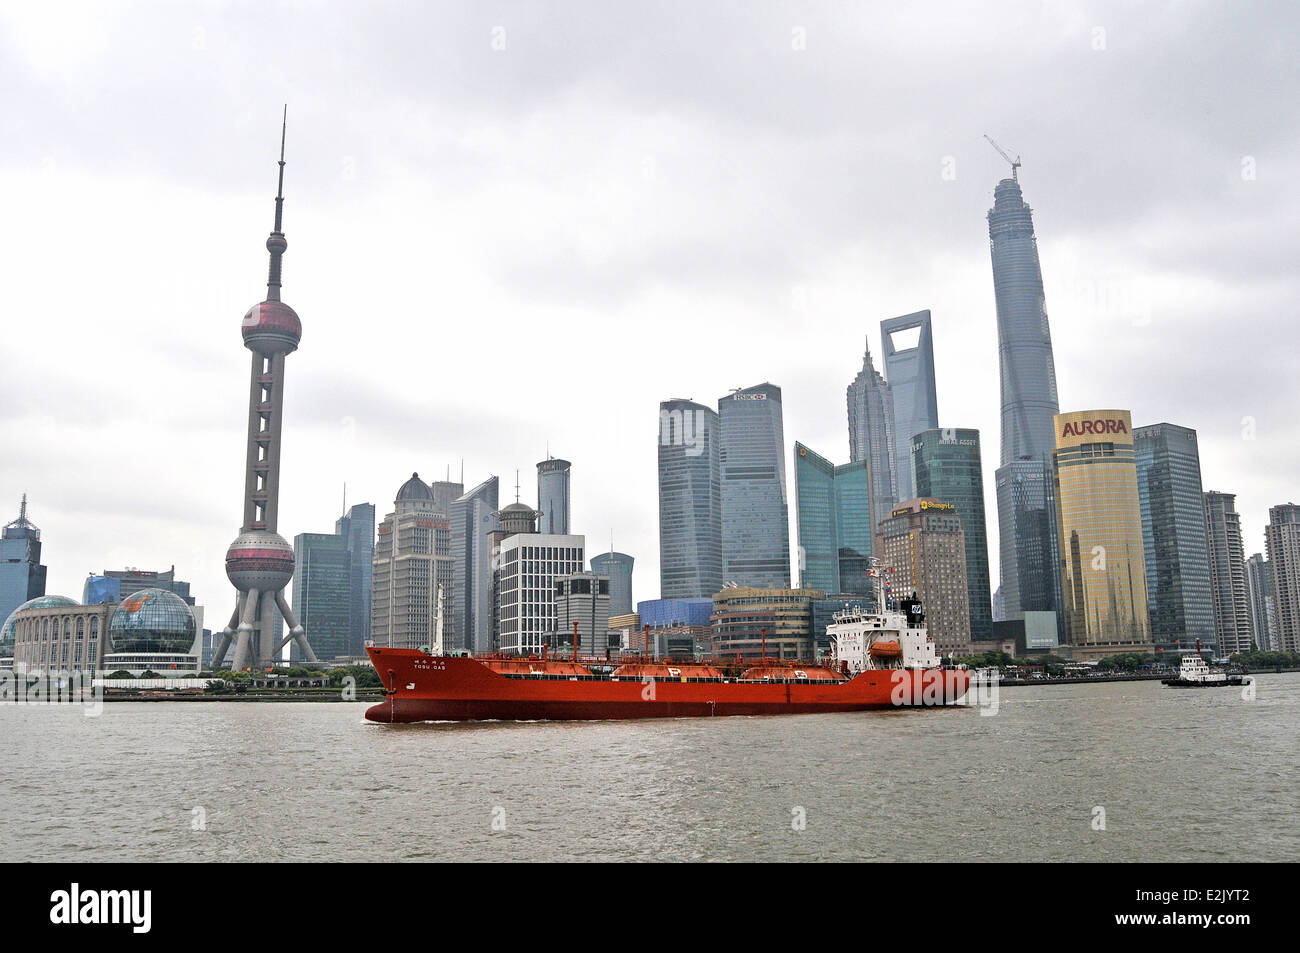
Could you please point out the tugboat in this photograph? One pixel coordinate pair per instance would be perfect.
(1194, 673)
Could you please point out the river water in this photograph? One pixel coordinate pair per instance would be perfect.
(1189, 775)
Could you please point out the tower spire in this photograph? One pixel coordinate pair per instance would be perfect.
(276, 244)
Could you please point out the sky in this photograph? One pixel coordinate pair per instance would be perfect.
(515, 228)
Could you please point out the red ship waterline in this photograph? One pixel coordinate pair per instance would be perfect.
(878, 662)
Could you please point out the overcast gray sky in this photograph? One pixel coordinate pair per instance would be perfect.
(518, 224)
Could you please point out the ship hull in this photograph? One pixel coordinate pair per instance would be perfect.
(1187, 683)
(426, 688)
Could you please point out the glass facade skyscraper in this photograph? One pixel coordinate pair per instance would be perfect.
(1027, 368)
(1179, 598)
(22, 577)
(909, 368)
(1263, 608)
(755, 510)
(472, 518)
(1104, 588)
(833, 504)
(871, 435)
(948, 468)
(553, 495)
(357, 527)
(322, 592)
(690, 501)
(618, 567)
(1027, 371)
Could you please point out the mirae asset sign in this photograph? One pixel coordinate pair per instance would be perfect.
(77, 906)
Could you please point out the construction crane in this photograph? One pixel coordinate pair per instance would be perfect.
(1015, 163)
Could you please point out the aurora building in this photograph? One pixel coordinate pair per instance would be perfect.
(1104, 585)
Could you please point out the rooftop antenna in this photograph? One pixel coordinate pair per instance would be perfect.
(516, 486)
(345, 497)
(462, 471)
(276, 244)
(22, 508)
(1015, 163)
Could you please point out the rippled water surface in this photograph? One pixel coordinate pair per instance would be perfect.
(1181, 775)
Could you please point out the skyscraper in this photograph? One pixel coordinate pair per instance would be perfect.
(618, 567)
(22, 577)
(947, 467)
(1027, 370)
(909, 368)
(1232, 622)
(553, 495)
(444, 493)
(1028, 555)
(836, 527)
(690, 501)
(1282, 538)
(259, 563)
(1263, 609)
(471, 520)
(871, 435)
(357, 527)
(1179, 598)
(582, 597)
(923, 547)
(322, 591)
(755, 510)
(412, 559)
(530, 564)
(1100, 525)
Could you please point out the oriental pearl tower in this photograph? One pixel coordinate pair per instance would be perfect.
(260, 561)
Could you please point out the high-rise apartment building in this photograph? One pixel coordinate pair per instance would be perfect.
(1263, 608)
(618, 567)
(922, 548)
(1282, 538)
(690, 500)
(1232, 623)
(1099, 518)
(909, 368)
(1179, 598)
(836, 529)
(412, 559)
(947, 466)
(755, 510)
(871, 434)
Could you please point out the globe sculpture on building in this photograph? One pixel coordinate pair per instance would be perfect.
(152, 621)
(259, 563)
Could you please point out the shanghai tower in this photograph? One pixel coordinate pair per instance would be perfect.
(1026, 502)
(259, 563)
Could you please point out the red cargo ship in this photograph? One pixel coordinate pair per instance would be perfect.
(878, 661)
